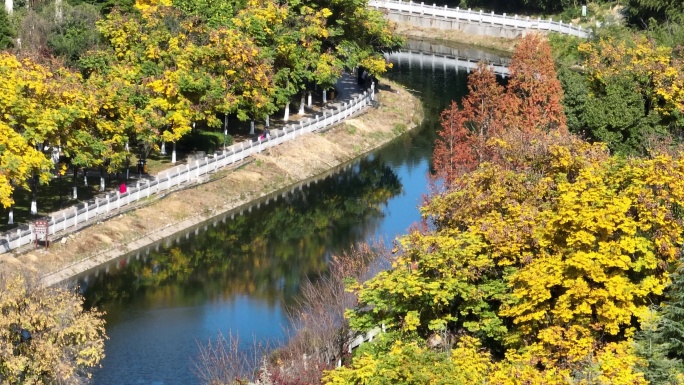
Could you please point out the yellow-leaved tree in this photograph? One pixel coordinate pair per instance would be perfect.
(31, 116)
(17, 162)
(557, 263)
(45, 335)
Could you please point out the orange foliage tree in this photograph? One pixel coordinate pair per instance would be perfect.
(454, 152)
(503, 125)
(534, 91)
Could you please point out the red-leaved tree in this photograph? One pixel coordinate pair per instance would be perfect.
(534, 89)
(454, 153)
(505, 126)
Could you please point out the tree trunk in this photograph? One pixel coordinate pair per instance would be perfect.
(268, 121)
(58, 10)
(10, 220)
(102, 181)
(309, 100)
(163, 148)
(301, 105)
(34, 193)
(286, 116)
(85, 176)
(173, 153)
(9, 6)
(251, 127)
(75, 194)
(325, 96)
(225, 130)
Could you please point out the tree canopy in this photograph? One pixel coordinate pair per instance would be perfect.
(45, 335)
(145, 73)
(539, 257)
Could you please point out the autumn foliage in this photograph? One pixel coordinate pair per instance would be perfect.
(45, 335)
(157, 72)
(539, 261)
(502, 125)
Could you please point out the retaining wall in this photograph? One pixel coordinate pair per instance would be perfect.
(471, 22)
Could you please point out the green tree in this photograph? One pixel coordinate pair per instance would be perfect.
(671, 328)
(661, 339)
(6, 31)
(575, 95)
(75, 34)
(658, 367)
(614, 114)
(215, 13)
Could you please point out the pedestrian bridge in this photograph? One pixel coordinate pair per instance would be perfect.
(472, 22)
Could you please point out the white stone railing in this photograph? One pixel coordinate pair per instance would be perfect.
(441, 61)
(365, 337)
(87, 212)
(471, 16)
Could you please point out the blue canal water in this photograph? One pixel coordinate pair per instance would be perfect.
(237, 275)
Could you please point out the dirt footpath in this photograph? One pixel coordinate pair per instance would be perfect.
(281, 166)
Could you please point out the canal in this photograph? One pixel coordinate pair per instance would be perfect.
(238, 272)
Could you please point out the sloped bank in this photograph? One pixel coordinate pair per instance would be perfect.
(282, 166)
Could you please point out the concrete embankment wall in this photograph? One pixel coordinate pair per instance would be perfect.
(472, 22)
(473, 28)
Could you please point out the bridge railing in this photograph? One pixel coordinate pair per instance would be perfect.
(94, 210)
(481, 17)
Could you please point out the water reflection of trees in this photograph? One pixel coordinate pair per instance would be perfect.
(263, 254)
(435, 88)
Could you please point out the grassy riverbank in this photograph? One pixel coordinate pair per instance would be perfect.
(291, 162)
